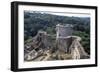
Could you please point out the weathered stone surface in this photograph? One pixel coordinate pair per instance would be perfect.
(64, 46)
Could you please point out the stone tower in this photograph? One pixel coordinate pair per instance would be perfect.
(62, 36)
(63, 30)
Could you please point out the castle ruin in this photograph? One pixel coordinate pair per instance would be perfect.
(65, 44)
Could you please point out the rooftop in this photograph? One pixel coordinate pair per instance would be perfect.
(65, 25)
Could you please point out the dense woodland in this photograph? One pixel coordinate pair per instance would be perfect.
(35, 21)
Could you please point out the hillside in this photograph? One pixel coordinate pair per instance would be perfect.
(35, 21)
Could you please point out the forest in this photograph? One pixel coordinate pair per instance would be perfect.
(35, 21)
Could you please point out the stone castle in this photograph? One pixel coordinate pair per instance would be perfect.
(64, 46)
